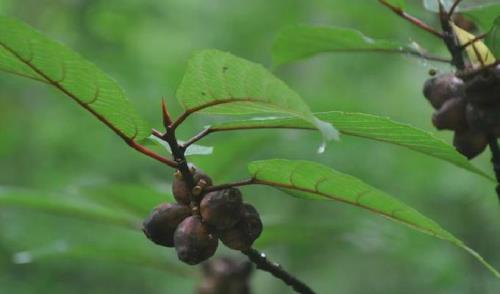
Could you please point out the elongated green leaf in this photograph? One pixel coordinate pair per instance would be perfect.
(484, 15)
(25, 52)
(302, 41)
(136, 200)
(314, 181)
(370, 127)
(398, 3)
(221, 83)
(91, 252)
(67, 206)
(493, 38)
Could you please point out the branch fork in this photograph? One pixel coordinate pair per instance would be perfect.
(180, 163)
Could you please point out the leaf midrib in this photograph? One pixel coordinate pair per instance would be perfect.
(72, 96)
(357, 204)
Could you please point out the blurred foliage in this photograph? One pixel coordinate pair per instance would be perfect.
(51, 147)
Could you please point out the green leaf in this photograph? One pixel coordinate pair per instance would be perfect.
(221, 83)
(493, 38)
(314, 181)
(297, 42)
(483, 15)
(91, 252)
(193, 149)
(397, 3)
(135, 199)
(67, 206)
(25, 52)
(370, 127)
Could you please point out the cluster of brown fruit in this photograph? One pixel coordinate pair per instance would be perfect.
(468, 105)
(225, 276)
(194, 227)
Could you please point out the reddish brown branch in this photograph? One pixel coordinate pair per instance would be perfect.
(411, 19)
(247, 182)
(212, 103)
(196, 138)
(151, 153)
(127, 139)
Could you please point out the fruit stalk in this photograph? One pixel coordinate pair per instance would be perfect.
(495, 159)
(262, 263)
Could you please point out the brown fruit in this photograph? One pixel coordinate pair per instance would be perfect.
(160, 226)
(246, 231)
(193, 242)
(484, 87)
(483, 118)
(221, 209)
(451, 116)
(443, 87)
(181, 191)
(470, 143)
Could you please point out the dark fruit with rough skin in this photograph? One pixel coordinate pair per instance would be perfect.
(470, 143)
(441, 88)
(245, 232)
(483, 118)
(484, 88)
(193, 241)
(160, 226)
(451, 116)
(221, 209)
(181, 191)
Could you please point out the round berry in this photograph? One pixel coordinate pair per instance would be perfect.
(193, 241)
(160, 226)
(245, 232)
(221, 209)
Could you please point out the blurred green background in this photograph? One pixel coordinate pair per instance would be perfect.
(49, 147)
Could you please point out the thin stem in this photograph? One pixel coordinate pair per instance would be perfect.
(178, 154)
(157, 134)
(181, 118)
(150, 153)
(411, 19)
(212, 103)
(196, 138)
(478, 56)
(247, 182)
(262, 263)
(495, 159)
(453, 8)
(426, 56)
(477, 38)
